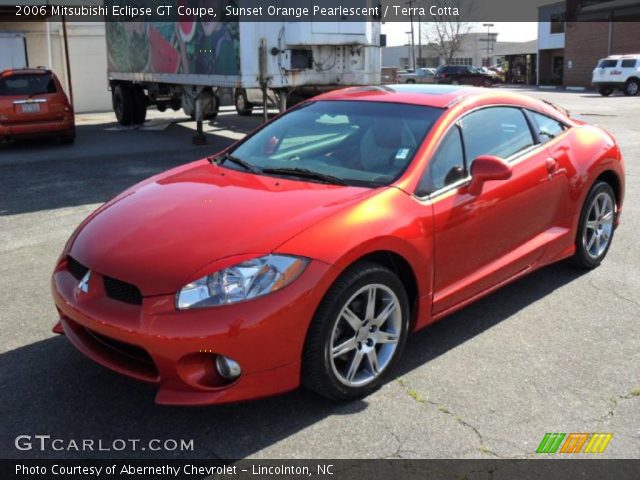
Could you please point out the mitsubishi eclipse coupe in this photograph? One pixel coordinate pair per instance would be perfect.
(307, 252)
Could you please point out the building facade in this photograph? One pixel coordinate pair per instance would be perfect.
(573, 35)
(473, 52)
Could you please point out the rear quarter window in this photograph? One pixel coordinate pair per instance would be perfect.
(629, 63)
(547, 127)
(607, 63)
(27, 84)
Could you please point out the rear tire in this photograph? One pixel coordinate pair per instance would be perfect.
(370, 334)
(411, 80)
(605, 91)
(243, 107)
(596, 227)
(140, 105)
(632, 87)
(123, 104)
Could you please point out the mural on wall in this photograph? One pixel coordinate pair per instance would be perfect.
(191, 45)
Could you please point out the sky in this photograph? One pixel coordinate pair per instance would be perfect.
(507, 31)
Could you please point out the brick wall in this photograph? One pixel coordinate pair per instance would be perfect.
(587, 42)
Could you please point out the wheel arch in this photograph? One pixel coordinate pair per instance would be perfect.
(398, 264)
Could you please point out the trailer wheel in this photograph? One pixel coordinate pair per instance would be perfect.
(140, 105)
(243, 107)
(123, 104)
(214, 107)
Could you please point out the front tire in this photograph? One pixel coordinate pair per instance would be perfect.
(357, 333)
(596, 227)
(632, 87)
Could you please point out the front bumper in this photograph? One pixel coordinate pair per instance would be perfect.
(176, 350)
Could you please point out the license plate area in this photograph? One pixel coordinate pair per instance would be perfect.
(30, 107)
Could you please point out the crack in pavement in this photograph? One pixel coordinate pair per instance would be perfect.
(443, 409)
(615, 401)
(614, 293)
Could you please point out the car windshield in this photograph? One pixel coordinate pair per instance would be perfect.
(27, 84)
(355, 142)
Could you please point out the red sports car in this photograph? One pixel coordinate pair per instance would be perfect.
(33, 104)
(307, 252)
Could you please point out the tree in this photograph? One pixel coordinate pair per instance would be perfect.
(443, 35)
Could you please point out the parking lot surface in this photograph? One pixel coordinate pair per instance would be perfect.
(558, 351)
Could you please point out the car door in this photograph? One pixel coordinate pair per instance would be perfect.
(483, 240)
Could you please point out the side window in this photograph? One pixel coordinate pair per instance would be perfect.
(628, 63)
(446, 166)
(547, 127)
(499, 131)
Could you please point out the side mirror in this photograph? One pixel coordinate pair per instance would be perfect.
(485, 168)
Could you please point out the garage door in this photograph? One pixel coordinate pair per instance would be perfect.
(88, 58)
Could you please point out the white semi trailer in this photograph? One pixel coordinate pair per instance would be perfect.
(186, 64)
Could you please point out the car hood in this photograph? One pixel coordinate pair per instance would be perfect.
(160, 233)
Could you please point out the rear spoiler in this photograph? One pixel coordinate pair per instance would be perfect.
(560, 109)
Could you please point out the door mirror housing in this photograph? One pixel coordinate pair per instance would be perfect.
(485, 168)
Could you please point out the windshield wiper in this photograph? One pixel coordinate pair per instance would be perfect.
(304, 173)
(238, 161)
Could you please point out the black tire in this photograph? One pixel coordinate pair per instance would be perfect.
(487, 83)
(317, 372)
(123, 104)
(140, 105)
(411, 81)
(605, 91)
(216, 109)
(455, 82)
(68, 139)
(243, 107)
(632, 87)
(582, 258)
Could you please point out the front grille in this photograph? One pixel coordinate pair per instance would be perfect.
(122, 291)
(76, 268)
(123, 348)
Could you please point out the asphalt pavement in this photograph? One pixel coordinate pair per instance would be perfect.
(558, 351)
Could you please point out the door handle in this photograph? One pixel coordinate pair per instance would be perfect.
(551, 164)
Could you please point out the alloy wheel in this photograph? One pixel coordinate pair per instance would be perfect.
(365, 335)
(599, 225)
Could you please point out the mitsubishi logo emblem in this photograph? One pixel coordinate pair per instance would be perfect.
(83, 286)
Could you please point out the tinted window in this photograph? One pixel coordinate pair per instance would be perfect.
(499, 131)
(27, 84)
(628, 63)
(547, 127)
(607, 63)
(358, 142)
(447, 165)
(557, 23)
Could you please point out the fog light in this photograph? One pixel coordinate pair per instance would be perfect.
(228, 368)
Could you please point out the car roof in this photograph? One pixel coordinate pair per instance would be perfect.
(625, 56)
(439, 96)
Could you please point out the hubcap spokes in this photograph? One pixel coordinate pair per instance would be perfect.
(365, 335)
(599, 225)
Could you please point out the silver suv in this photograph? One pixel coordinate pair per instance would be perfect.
(618, 71)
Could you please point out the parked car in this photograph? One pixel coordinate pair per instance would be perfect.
(422, 75)
(33, 104)
(309, 251)
(464, 75)
(617, 72)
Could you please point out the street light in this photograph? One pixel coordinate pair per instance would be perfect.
(489, 43)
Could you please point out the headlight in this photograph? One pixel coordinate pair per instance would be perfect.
(240, 282)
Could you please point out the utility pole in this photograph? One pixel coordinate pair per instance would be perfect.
(413, 45)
